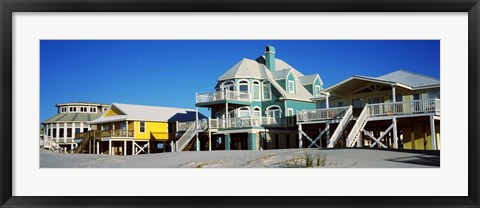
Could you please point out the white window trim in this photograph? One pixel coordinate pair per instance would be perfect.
(248, 110)
(318, 89)
(144, 128)
(255, 82)
(263, 92)
(247, 84)
(222, 86)
(291, 89)
(273, 106)
(257, 109)
(94, 110)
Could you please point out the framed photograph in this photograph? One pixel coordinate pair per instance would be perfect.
(246, 104)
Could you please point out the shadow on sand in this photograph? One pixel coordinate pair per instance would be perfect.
(430, 160)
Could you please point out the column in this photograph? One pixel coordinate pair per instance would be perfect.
(81, 127)
(148, 147)
(327, 102)
(210, 140)
(110, 147)
(196, 119)
(432, 133)
(65, 132)
(98, 147)
(125, 147)
(57, 137)
(227, 141)
(226, 115)
(394, 97)
(395, 136)
(133, 147)
(300, 140)
(197, 143)
(252, 141)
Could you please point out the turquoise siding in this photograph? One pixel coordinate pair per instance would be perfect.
(300, 105)
(290, 78)
(281, 82)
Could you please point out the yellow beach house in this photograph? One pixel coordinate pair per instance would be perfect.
(127, 129)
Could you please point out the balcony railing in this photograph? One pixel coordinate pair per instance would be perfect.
(223, 95)
(241, 122)
(321, 114)
(404, 107)
(107, 133)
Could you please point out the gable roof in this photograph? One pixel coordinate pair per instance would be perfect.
(411, 79)
(309, 79)
(402, 78)
(149, 113)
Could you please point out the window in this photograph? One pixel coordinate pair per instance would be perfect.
(290, 117)
(83, 109)
(274, 112)
(244, 112)
(267, 91)
(106, 127)
(69, 132)
(61, 132)
(291, 86)
(357, 103)
(416, 97)
(318, 89)
(256, 112)
(73, 109)
(85, 129)
(93, 110)
(243, 86)
(142, 126)
(228, 86)
(340, 104)
(63, 109)
(77, 130)
(104, 109)
(256, 90)
(49, 132)
(54, 133)
(398, 98)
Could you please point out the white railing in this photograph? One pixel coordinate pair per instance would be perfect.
(223, 95)
(321, 114)
(185, 138)
(357, 127)
(341, 126)
(51, 145)
(183, 126)
(405, 107)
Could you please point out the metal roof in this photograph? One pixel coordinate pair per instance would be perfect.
(72, 117)
(414, 80)
(149, 113)
(82, 103)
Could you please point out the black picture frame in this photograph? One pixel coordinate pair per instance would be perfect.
(7, 8)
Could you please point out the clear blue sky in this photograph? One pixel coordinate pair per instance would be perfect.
(169, 73)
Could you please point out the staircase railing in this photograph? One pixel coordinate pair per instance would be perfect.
(357, 127)
(341, 126)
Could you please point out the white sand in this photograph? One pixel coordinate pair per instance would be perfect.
(334, 158)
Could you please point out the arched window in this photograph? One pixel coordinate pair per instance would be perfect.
(274, 111)
(256, 112)
(228, 86)
(243, 86)
(244, 112)
(267, 91)
(256, 90)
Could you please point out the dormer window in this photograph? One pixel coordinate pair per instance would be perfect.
(93, 110)
(291, 86)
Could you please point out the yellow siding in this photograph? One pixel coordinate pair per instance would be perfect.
(112, 112)
(153, 130)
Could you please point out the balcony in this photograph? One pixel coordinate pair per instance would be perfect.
(206, 99)
(238, 122)
(427, 106)
(103, 134)
(321, 114)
